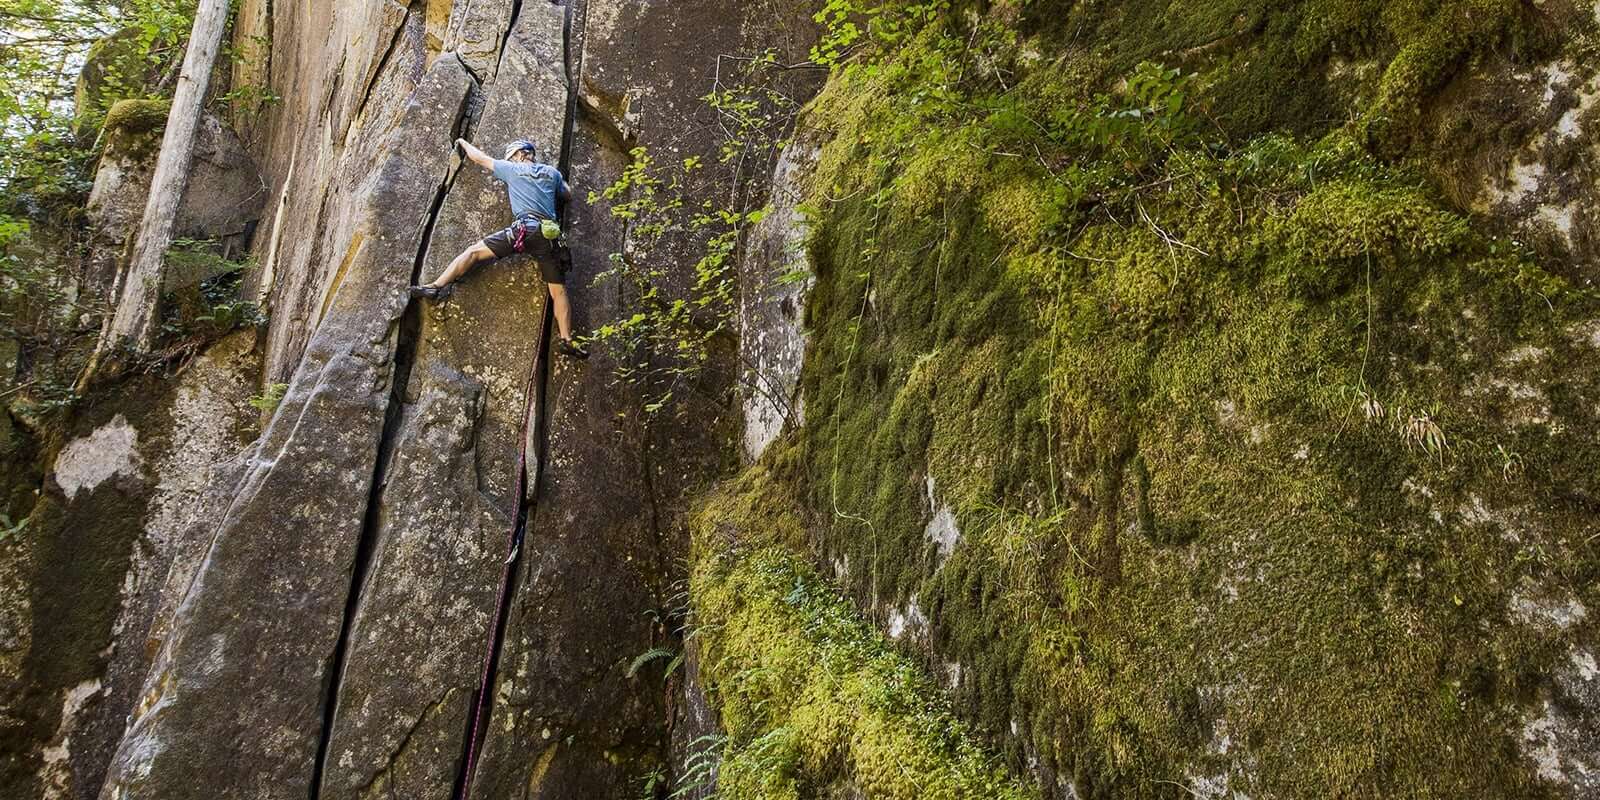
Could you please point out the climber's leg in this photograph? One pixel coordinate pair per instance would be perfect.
(558, 295)
(554, 264)
(469, 258)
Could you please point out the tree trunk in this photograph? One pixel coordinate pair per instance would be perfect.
(138, 306)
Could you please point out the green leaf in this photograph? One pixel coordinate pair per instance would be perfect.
(650, 655)
(793, 276)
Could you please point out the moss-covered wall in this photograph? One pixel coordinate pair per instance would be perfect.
(1273, 468)
(813, 700)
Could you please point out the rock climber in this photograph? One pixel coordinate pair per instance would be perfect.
(534, 189)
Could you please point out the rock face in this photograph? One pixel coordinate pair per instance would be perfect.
(315, 616)
(346, 74)
(258, 625)
(774, 277)
(603, 534)
(1533, 178)
(1561, 734)
(334, 590)
(405, 695)
(416, 637)
(491, 327)
(561, 701)
(222, 200)
(1136, 554)
(83, 581)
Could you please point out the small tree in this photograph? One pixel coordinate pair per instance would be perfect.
(139, 288)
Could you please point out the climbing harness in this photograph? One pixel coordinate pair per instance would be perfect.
(519, 240)
(548, 228)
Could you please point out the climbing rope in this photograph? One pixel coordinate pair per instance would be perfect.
(514, 537)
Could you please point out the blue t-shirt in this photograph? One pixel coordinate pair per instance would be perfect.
(533, 187)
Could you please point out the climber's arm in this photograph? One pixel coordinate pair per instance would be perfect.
(563, 200)
(475, 155)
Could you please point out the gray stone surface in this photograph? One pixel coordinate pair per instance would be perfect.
(80, 584)
(1561, 732)
(346, 73)
(562, 703)
(267, 551)
(694, 731)
(1528, 178)
(603, 538)
(234, 703)
(223, 196)
(774, 277)
(410, 676)
(490, 328)
(417, 639)
(475, 31)
(355, 159)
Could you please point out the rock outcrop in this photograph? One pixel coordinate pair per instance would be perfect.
(222, 200)
(1213, 435)
(417, 633)
(340, 592)
(1236, 462)
(258, 625)
(406, 694)
(84, 578)
(774, 277)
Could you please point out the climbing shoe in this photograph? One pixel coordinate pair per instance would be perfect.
(570, 349)
(432, 292)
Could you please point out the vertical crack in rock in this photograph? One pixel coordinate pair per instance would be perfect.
(537, 415)
(261, 628)
(394, 42)
(482, 697)
(442, 372)
(572, 61)
(407, 334)
(505, 35)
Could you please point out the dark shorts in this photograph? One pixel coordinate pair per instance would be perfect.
(555, 260)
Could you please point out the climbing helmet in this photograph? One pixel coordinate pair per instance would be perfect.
(519, 146)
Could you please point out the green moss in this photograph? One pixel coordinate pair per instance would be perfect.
(138, 116)
(1284, 65)
(1252, 437)
(811, 697)
(133, 128)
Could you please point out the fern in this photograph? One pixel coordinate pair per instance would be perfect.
(653, 654)
(700, 765)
